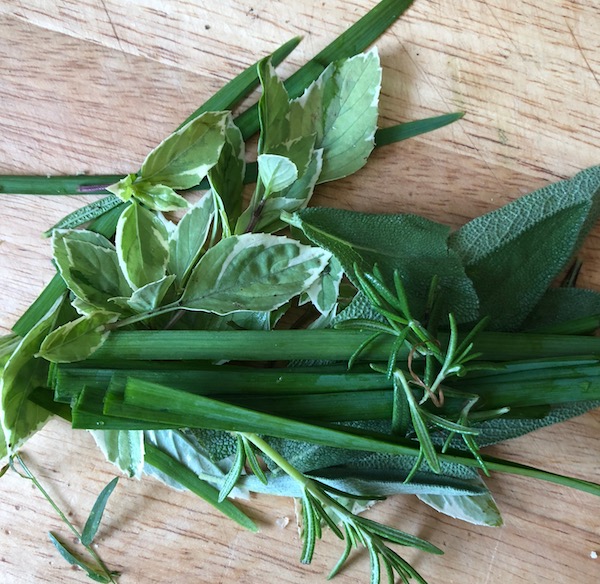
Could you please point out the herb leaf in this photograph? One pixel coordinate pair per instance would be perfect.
(477, 509)
(276, 172)
(185, 157)
(255, 272)
(93, 522)
(142, 247)
(124, 448)
(91, 572)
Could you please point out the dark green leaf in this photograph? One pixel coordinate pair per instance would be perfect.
(93, 522)
(90, 571)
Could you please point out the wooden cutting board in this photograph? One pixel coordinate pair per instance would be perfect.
(91, 86)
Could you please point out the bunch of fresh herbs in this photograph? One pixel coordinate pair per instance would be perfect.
(328, 355)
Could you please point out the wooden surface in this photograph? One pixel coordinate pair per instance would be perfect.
(92, 85)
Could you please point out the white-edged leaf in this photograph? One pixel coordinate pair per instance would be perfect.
(150, 296)
(476, 509)
(78, 339)
(253, 271)
(22, 373)
(183, 159)
(142, 246)
(159, 197)
(276, 172)
(124, 448)
(188, 237)
(324, 291)
(88, 264)
(273, 109)
(123, 188)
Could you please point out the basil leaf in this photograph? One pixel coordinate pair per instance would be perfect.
(253, 271)
(183, 159)
(324, 291)
(142, 247)
(276, 172)
(22, 373)
(414, 246)
(273, 109)
(513, 253)
(88, 264)
(78, 339)
(123, 188)
(124, 448)
(188, 238)
(150, 296)
(159, 197)
(226, 178)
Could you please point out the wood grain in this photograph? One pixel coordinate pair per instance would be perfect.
(92, 85)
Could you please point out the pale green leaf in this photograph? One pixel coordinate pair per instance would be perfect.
(480, 509)
(124, 188)
(273, 109)
(88, 264)
(142, 247)
(188, 238)
(150, 296)
(124, 448)
(276, 172)
(226, 178)
(78, 339)
(22, 373)
(324, 291)
(159, 197)
(514, 253)
(183, 159)
(256, 272)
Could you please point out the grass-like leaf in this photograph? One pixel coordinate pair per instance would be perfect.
(73, 560)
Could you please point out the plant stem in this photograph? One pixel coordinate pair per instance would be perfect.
(29, 475)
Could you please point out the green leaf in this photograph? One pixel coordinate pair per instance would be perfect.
(276, 172)
(123, 188)
(226, 178)
(142, 248)
(159, 197)
(124, 448)
(78, 339)
(90, 571)
(478, 509)
(513, 253)
(89, 265)
(183, 159)
(350, 113)
(407, 130)
(414, 246)
(21, 375)
(93, 522)
(188, 238)
(256, 272)
(150, 296)
(324, 291)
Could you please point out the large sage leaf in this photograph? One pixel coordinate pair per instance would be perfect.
(89, 265)
(142, 246)
(22, 373)
(183, 159)
(414, 246)
(124, 448)
(253, 271)
(513, 253)
(78, 339)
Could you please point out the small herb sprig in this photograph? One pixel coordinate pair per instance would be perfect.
(99, 571)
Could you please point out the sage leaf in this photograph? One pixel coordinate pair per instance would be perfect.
(73, 560)
(188, 238)
(124, 448)
(22, 373)
(142, 246)
(183, 159)
(414, 246)
(149, 297)
(276, 172)
(253, 271)
(89, 265)
(78, 339)
(93, 522)
(513, 253)
(480, 509)
(226, 178)
(159, 197)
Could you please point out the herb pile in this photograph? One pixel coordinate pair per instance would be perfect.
(328, 355)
